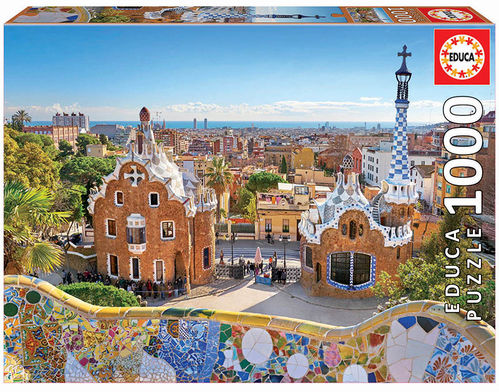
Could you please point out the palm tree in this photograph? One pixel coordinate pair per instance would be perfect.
(27, 213)
(219, 178)
(19, 118)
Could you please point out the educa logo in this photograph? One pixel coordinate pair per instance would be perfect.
(450, 15)
(462, 57)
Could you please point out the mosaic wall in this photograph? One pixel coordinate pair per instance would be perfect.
(52, 337)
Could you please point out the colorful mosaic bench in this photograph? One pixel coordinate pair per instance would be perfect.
(53, 337)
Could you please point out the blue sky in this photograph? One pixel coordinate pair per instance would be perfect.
(295, 73)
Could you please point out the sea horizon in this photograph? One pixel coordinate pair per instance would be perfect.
(249, 124)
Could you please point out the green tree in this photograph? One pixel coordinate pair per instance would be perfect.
(27, 214)
(283, 168)
(246, 204)
(83, 140)
(87, 170)
(219, 178)
(100, 294)
(423, 278)
(19, 119)
(105, 140)
(70, 199)
(263, 181)
(65, 149)
(45, 142)
(28, 163)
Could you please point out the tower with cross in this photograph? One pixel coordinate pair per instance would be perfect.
(398, 188)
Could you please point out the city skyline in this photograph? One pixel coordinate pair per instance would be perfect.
(182, 74)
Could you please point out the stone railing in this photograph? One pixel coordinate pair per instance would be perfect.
(50, 336)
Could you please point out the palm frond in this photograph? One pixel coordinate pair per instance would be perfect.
(41, 256)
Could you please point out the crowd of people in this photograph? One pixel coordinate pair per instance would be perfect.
(143, 288)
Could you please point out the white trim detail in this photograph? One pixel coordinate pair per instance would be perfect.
(107, 228)
(149, 198)
(154, 272)
(161, 231)
(131, 269)
(80, 255)
(108, 256)
(116, 199)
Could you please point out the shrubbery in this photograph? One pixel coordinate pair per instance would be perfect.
(100, 294)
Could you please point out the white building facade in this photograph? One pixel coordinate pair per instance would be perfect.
(376, 161)
(80, 120)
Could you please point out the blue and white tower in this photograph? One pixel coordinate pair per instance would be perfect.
(398, 187)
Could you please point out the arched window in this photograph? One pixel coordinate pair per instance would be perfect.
(344, 229)
(398, 253)
(353, 230)
(402, 213)
(340, 267)
(349, 269)
(361, 268)
(361, 230)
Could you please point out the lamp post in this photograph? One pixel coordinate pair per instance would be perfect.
(284, 239)
(233, 238)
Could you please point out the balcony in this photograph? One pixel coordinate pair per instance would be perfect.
(137, 248)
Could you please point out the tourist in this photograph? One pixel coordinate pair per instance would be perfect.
(64, 277)
(274, 259)
(155, 289)
(149, 288)
(221, 256)
(69, 278)
(162, 290)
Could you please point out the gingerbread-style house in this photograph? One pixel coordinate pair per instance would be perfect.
(348, 241)
(151, 220)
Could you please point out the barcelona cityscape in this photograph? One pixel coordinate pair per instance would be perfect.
(200, 211)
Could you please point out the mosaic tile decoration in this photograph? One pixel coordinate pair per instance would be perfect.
(52, 337)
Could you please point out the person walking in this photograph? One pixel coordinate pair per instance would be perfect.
(274, 259)
(221, 256)
(69, 278)
(149, 288)
(64, 277)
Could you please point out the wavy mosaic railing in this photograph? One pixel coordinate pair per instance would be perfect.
(53, 337)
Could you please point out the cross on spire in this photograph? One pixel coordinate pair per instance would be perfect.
(404, 53)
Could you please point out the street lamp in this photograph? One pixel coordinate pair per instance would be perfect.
(284, 239)
(233, 238)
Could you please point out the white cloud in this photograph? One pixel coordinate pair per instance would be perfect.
(363, 109)
(371, 98)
